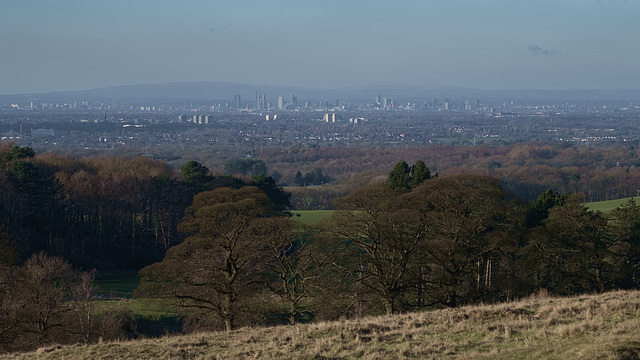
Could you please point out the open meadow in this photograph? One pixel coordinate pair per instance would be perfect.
(310, 217)
(604, 326)
(606, 206)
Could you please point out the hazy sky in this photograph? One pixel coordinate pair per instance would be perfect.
(48, 45)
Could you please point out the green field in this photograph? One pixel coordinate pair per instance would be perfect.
(606, 206)
(117, 284)
(141, 308)
(311, 217)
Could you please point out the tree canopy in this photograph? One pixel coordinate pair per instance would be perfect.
(405, 177)
(217, 262)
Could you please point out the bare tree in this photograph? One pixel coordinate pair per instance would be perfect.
(45, 285)
(83, 293)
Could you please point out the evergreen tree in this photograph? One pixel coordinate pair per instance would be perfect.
(399, 177)
(626, 233)
(539, 209)
(299, 179)
(196, 176)
(276, 194)
(16, 153)
(419, 173)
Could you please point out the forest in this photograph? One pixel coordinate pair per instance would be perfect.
(226, 251)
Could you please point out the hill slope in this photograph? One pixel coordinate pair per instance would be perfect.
(603, 326)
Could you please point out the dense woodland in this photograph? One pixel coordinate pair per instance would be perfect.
(524, 169)
(226, 251)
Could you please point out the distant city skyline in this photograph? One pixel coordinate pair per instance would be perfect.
(494, 44)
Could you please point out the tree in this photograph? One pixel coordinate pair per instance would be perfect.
(277, 195)
(258, 167)
(399, 177)
(419, 173)
(625, 231)
(45, 285)
(299, 179)
(382, 241)
(38, 207)
(276, 177)
(314, 177)
(404, 177)
(83, 296)
(9, 307)
(466, 216)
(574, 254)
(539, 209)
(214, 266)
(8, 251)
(168, 201)
(245, 167)
(16, 153)
(196, 176)
(297, 266)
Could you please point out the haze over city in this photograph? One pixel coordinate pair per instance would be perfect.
(495, 44)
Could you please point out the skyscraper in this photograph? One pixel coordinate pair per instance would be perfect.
(236, 99)
(280, 103)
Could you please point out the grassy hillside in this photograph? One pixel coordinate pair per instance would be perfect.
(603, 326)
(606, 206)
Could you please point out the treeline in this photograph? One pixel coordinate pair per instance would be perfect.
(102, 212)
(313, 177)
(526, 169)
(414, 242)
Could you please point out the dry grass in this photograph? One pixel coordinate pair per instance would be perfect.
(603, 326)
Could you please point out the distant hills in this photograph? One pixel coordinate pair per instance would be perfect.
(415, 93)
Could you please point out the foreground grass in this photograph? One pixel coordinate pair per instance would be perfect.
(603, 326)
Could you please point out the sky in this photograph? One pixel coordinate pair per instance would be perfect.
(486, 44)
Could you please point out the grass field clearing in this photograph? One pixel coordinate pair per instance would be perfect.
(117, 284)
(310, 217)
(606, 206)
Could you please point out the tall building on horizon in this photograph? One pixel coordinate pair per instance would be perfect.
(236, 100)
